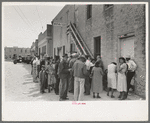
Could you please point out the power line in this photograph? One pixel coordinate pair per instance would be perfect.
(22, 18)
(39, 17)
(25, 16)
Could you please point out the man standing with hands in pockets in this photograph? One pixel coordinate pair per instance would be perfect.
(63, 71)
(79, 72)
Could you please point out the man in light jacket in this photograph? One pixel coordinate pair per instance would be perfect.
(79, 72)
(130, 73)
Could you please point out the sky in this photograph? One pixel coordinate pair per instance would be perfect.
(22, 23)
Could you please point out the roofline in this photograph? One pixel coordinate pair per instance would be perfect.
(59, 12)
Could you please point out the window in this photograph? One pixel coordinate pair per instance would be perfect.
(97, 46)
(44, 49)
(10, 56)
(63, 50)
(107, 6)
(14, 49)
(89, 11)
(25, 51)
(9, 50)
(54, 51)
(67, 38)
(61, 29)
(39, 51)
(67, 17)
(72, 47)
(21, 50)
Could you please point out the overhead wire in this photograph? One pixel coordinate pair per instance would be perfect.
(24, 16)
(24, 20)
(39, 17)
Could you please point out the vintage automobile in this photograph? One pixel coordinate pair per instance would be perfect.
(19, 60)
(14, 59)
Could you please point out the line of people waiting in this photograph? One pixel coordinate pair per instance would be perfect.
(79, 74)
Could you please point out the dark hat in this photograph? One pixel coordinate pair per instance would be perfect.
(82, 56)
(65, 55)
(123, 59)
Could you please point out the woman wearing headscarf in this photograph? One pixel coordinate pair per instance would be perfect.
(122, 81)
(97, 83)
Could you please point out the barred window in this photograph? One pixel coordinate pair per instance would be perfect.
(89, 11)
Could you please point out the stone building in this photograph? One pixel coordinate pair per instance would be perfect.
(45, 43)
(10, 51)
(110, 30)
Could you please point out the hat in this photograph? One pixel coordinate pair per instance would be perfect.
(82, 56)
(75, 55)
(122, 58)
(65, 55)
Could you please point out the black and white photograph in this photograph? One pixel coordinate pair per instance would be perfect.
(75, 61)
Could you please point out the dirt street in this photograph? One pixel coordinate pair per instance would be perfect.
(19, 86)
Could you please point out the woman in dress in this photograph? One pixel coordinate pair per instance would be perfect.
(97, 83)
(122, 81)
(51, 75)
(34, 73)
(111, 77)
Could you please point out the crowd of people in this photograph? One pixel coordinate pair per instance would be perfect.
(80, 75)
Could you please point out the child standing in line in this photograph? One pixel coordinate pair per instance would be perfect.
(42, 77)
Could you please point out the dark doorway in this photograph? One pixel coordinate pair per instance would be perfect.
(97, 46)
(63, 50)
(39, 52)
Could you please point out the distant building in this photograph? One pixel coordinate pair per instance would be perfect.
(110, 30)
(34, 48)
(11, 51)
(45, 43)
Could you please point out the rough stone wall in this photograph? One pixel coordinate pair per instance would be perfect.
(110, 24)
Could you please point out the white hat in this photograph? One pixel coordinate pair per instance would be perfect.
(75, 55)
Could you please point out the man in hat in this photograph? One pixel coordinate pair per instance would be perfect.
(131, 72)
(42, 77)
(88, 64)
(57, 59)
(63, 71)
(79, 72)
(71, 80)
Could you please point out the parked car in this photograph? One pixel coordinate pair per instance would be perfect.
(19, 60)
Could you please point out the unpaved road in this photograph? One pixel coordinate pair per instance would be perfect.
(19, 86)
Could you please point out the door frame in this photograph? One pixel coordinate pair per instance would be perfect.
(95, 55)
(121, 36)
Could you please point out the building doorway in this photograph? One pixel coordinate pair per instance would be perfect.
(127, 47)
(97, 46)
